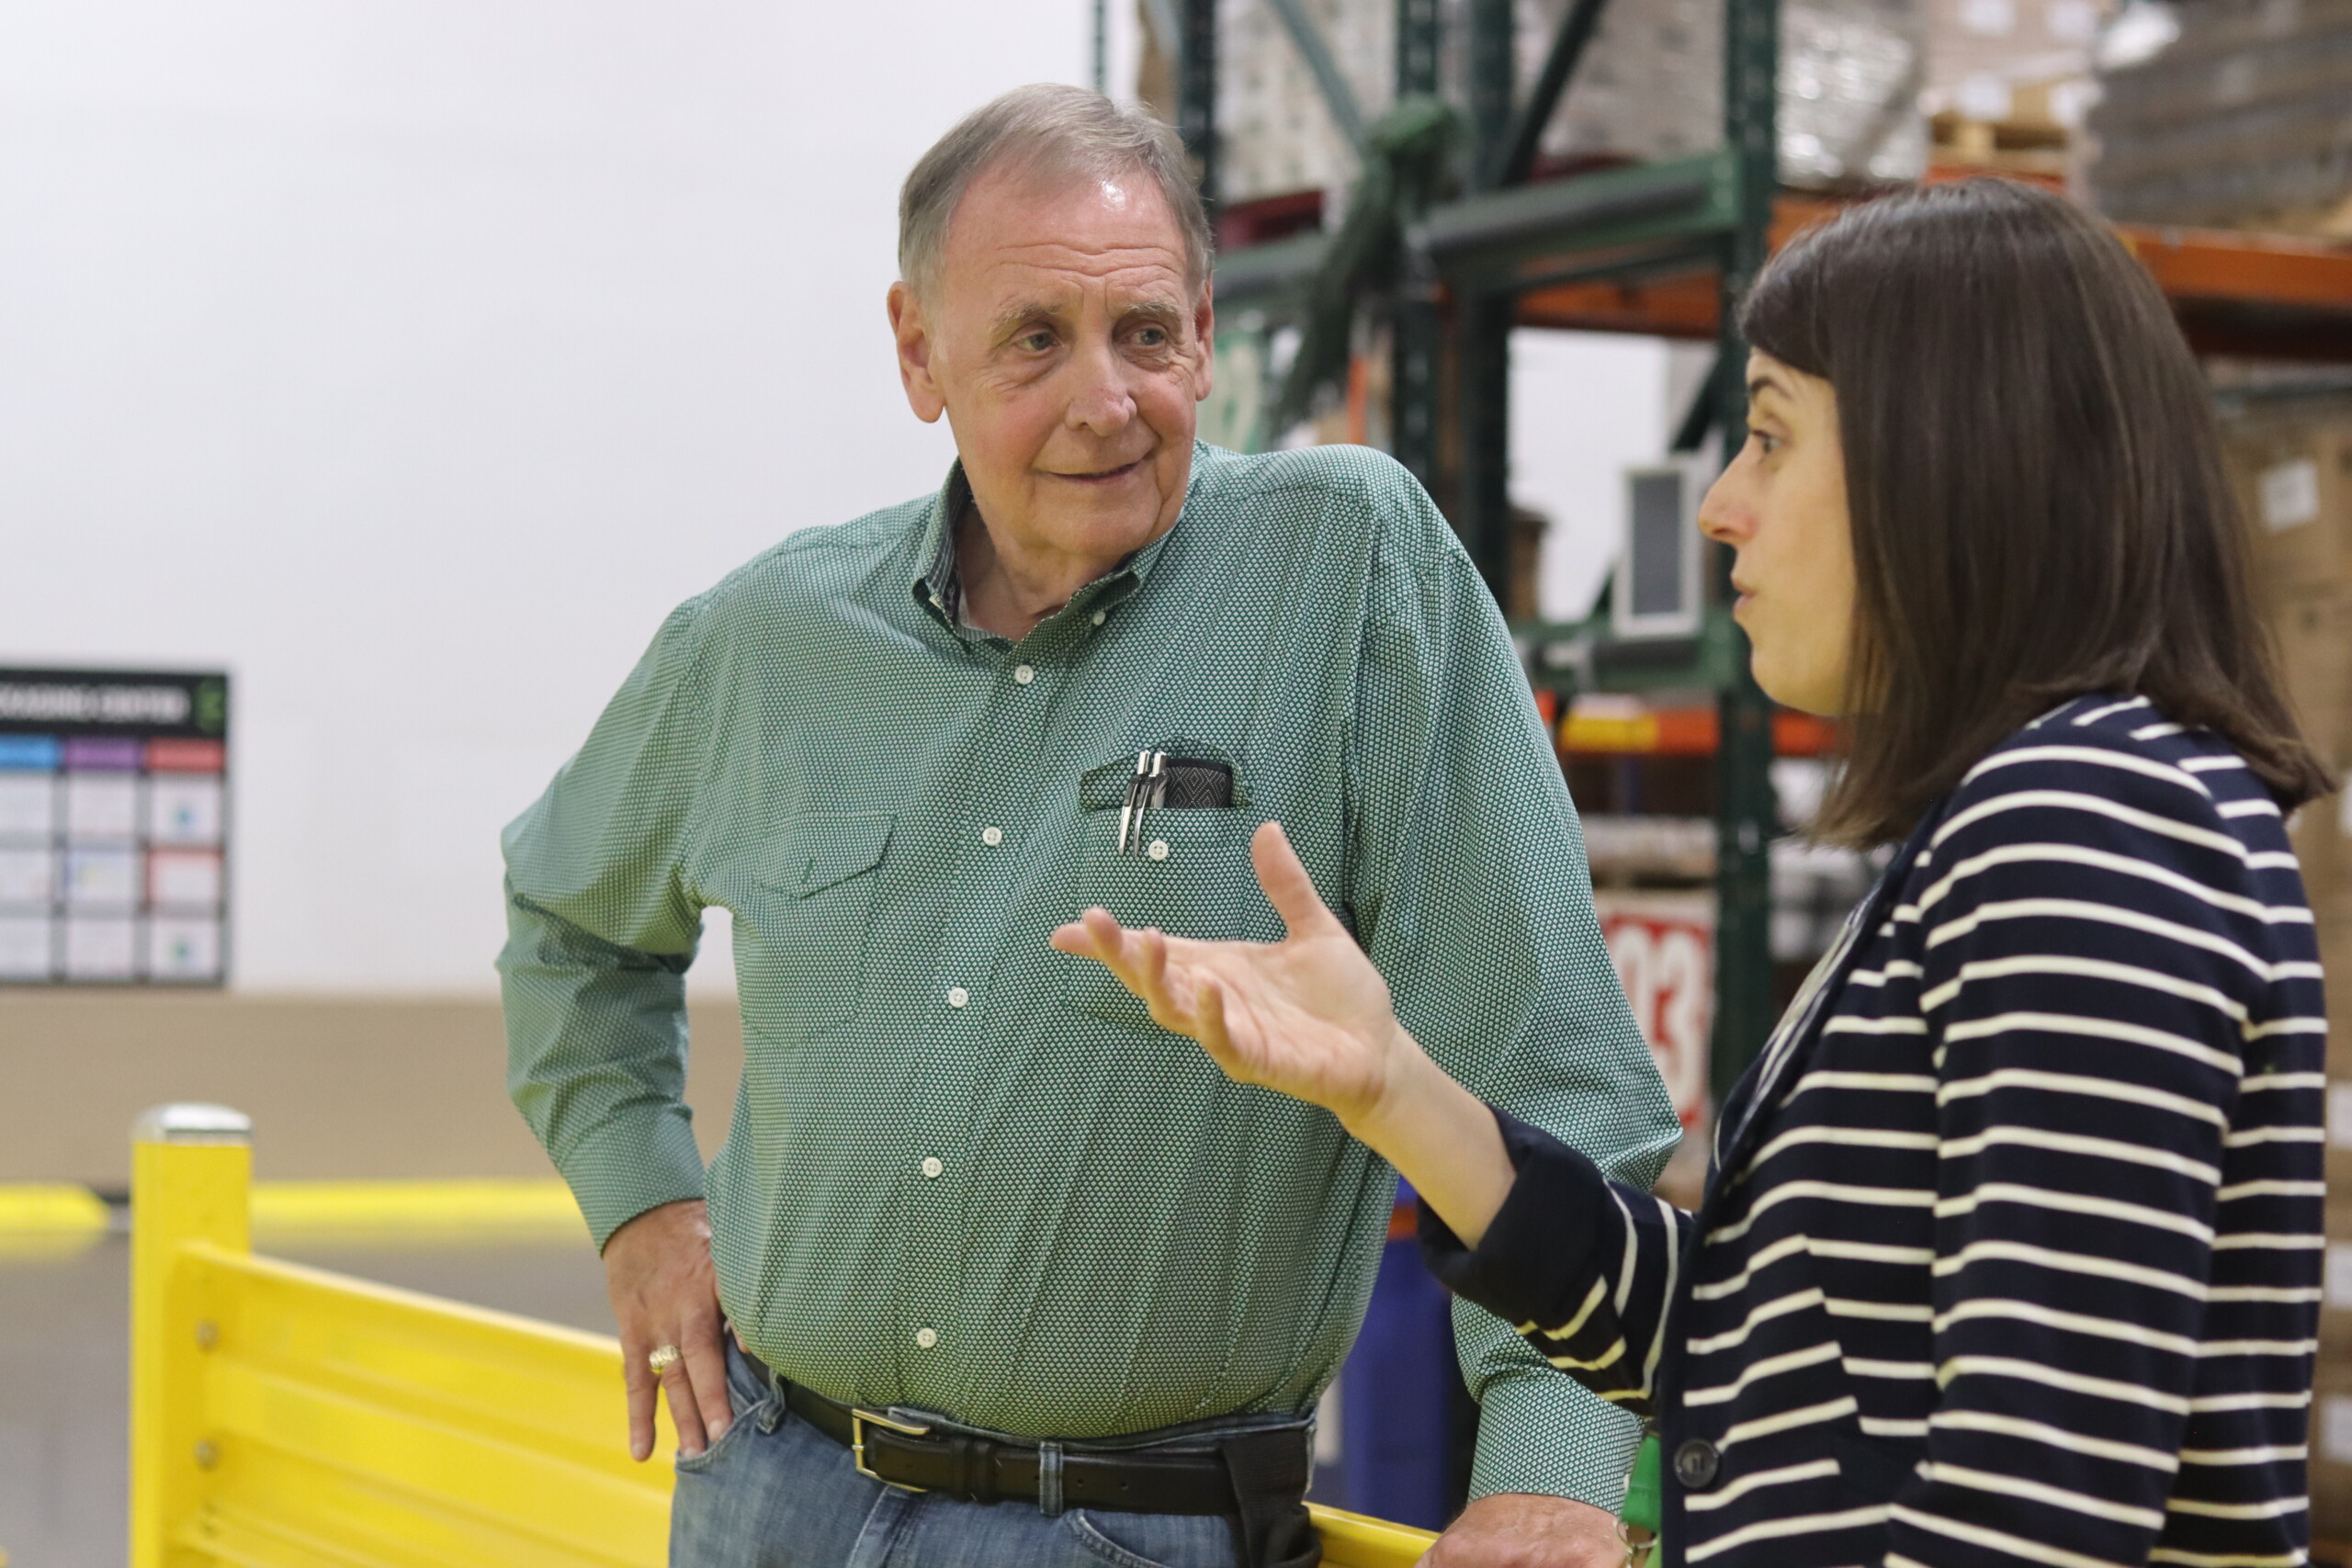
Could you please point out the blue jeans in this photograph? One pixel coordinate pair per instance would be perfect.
(776, 1493)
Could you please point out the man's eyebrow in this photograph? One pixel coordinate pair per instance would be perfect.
(1013, 319)
(1158, 311)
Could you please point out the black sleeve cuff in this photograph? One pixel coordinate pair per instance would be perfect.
(1535, 1262)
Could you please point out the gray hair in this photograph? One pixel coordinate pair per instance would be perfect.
(1053, 131)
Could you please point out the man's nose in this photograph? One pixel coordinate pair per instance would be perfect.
(1100, 400)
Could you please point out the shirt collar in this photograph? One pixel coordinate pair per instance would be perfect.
(937, 590)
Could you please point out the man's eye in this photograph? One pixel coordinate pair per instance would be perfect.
(1152, 337)
(1036, 342)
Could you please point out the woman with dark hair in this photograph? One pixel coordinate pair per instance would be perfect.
(2010, 1251)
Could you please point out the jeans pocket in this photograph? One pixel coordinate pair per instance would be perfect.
(1153, 1540)
(747, 1418)
(752, 1404)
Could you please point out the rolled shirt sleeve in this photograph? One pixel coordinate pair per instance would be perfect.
(601, 927)
(1471, 894)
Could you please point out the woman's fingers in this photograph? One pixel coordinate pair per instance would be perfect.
(1139, 960)
(1288, 887)
(1096, 935)
(1215, 1037)
(1078, 938)
(1154, 987)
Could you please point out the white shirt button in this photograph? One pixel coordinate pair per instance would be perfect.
(926, 1337)
(1024, 675)
(931, 1167)
(957, 996)
(1100, 616)
(1158, 850)
(992, 837)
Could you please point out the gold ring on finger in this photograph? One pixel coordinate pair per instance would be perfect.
(664, 1358)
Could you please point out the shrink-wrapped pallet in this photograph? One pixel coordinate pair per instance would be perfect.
(1650, 88)
(2243, 119)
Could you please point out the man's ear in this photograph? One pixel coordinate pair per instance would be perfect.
(906, 325)
(1204, 333)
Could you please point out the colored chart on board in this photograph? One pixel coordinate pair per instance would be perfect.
(114, 828)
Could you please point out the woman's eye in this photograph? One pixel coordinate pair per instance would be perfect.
(1767, 444)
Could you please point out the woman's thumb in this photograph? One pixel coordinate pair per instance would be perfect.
(1288, 887)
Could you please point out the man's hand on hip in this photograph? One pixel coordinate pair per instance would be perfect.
(665, 1292)
(1518, 1529)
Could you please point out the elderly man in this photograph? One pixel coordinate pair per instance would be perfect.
(1011, 1277)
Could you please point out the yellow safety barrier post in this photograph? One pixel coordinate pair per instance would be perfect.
(288, 1417)
(190, 1169)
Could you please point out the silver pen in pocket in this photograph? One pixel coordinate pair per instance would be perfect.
(1153, 785)
(1134, 792)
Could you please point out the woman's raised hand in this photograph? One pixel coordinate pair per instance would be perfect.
(1309, 1016)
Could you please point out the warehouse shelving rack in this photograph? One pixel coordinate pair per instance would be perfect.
(1471, 265)
(1666, 250)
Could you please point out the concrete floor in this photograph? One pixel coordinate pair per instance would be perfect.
(64, 1372)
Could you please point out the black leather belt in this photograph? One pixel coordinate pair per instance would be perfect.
(898, 1451)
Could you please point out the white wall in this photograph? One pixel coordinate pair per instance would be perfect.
(1586, 406)
(410, 358)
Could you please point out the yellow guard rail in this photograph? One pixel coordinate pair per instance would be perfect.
(289, 1417)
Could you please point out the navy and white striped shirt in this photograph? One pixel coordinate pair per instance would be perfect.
(2012, 1250)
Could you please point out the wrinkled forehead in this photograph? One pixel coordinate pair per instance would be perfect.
(1038, 219)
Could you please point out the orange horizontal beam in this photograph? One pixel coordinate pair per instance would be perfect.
(1685, 732)
(2212, 264)
(1677, 307)
(2200, 270)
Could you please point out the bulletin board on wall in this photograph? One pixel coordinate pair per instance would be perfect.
(114, 828)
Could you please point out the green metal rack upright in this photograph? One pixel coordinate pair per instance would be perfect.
(1627, 223)
(1466, 264)
(1745, 811)
(1418, 329)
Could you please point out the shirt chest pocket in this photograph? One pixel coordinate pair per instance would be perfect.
(1186, 873)
(808, 969)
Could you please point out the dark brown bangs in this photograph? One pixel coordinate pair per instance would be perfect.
(2034, 474)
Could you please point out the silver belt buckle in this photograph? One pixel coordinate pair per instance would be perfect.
(858, 1421)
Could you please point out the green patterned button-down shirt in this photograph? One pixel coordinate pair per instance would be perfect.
(967, 1173)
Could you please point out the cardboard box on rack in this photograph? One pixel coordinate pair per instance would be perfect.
(2331, 1439)
(2321, 834)
(2312, 631)
(2293, 471)
(2335, 961)
(2335, 1305)
(2336, 1207)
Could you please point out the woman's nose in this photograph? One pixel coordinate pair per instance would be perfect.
(1726, 516)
